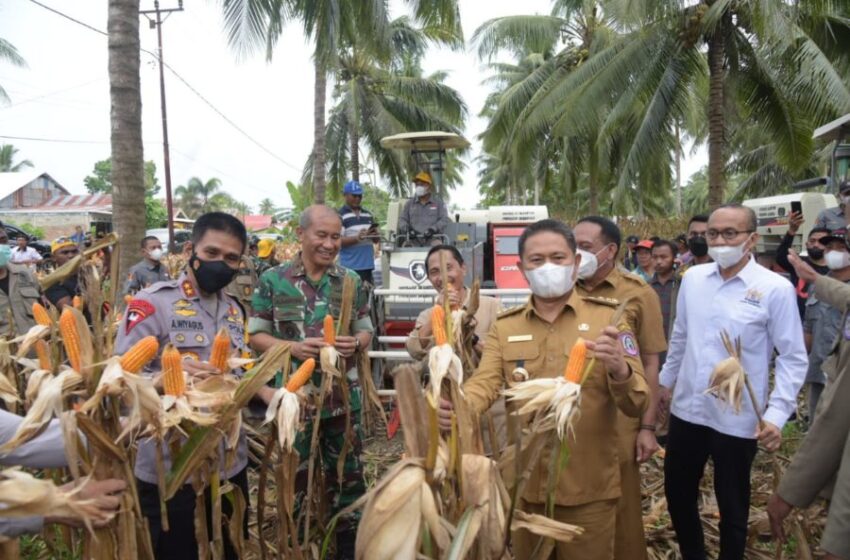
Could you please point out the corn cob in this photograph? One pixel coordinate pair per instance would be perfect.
(71, 339)
(77, 302)
(43, 353)
(329, 330)
(438, 325)
(140, 354)
(575, 364)
(173, 382)
(301, 375)
(220, 350)
(40, 314)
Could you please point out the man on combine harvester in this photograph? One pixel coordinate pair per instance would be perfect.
(424, 216)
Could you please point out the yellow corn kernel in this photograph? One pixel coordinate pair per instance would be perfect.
(140, 354)
(329, 330)
(43, 353)
(575, 364)
(301, 375)
(40, 314)
(70, 339)
(173, 382)
(438, 325)
(220, 350)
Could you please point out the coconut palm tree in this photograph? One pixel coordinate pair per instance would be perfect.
(267, 207)
(7, 160)
(329, 24)
(197, 197)
(128, 179)
(8, 53)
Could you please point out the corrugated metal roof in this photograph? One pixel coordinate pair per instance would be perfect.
(257, 221)
(75, 203)
(11, 182)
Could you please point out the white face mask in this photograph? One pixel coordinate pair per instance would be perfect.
(420, 190)
(156, 254)
(836, 260)
(550, 280)
(589, 264)
(727, 256)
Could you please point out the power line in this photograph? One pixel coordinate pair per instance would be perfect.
(56, 140)
(182, 79)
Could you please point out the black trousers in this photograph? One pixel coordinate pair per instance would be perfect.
(688, 448)
(178, 543)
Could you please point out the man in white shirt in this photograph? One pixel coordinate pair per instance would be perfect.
(23, 254)
(739, 296)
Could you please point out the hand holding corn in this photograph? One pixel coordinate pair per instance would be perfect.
(307, 348)
(608, 350)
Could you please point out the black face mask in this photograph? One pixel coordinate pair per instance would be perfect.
(815, 253)
(211, 276)
(698, 246)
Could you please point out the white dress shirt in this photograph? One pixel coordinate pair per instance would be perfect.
(28, 254)
(760, 307)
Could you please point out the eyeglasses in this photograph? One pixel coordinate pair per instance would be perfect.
(727, 234)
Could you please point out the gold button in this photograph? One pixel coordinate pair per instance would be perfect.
(199, 338)
(180, 338)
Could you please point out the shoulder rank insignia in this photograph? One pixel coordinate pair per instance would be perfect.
(511, 311)
(188, 289)
(611, 302)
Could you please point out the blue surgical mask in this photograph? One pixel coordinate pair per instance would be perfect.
(5, 254)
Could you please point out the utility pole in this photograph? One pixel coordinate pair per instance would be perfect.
(166, 157)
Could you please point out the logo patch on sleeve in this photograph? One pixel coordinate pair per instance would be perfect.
(629, 343)
(137, 311)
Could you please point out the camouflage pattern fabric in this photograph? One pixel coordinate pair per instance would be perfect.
(290, 306)
(262, 265)
(339, 494)
(243, 284)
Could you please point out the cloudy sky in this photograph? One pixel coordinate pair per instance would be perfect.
(63, 95)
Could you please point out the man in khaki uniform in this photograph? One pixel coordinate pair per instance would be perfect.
(421, 338)
(243, 284)
(538, 337)
(824, 457)
(598, 242)
(18, 291)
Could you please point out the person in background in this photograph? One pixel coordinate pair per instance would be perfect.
(815, 249)
(629, 256)
(645, 268)
(253, 246)
(18, 291)
(264, 258)
(749, 302)
(822, 323)
(25, 255)
(424, 215)
(47, 451)
(150, 269)
(358, 224)
(666, 285)
(821, 466)
(421, 338)
(79, 236)
(61, 294)
(697, 245)
(685, 257)
(835, 217)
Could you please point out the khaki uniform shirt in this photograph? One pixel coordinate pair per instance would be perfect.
(643, 313)
(243, 284)
(488, 310)
(521, 338)
(23, 292)
(816, 463)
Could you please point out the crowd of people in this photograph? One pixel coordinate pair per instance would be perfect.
(653, 363)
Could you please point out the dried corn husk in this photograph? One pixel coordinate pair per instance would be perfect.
(26, 341)
(22, 495)
(552, 400)
(543, 526)
(728, 378)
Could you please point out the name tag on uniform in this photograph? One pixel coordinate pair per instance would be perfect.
(520, 338)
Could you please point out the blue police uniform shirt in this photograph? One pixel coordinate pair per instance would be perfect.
(361, 255)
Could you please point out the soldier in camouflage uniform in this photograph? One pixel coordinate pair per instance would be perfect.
(243, 284)
(18, 291)
(290, 304)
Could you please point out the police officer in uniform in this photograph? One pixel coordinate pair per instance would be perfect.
(188, 312)
(18, 291)
(538, 337)
(598, 241)
(149, 270)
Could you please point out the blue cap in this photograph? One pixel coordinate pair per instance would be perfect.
(352, 187)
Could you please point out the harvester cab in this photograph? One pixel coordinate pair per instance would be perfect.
(487, 239)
